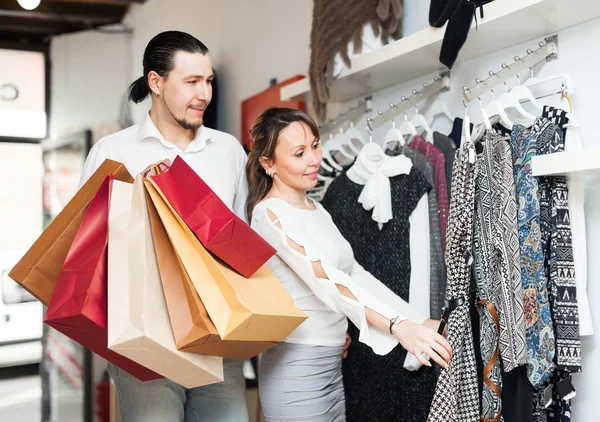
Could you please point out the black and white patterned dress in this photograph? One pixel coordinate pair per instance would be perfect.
(457, 395)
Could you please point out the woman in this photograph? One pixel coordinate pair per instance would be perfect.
(301, 379)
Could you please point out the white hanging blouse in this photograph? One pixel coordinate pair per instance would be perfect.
(319, 298)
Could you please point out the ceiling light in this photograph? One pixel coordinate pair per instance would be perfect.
(29, 4)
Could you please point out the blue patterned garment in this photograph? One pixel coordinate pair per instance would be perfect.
(538, 319)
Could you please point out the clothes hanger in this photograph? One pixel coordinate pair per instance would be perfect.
(438, 108)
(346, 141)
(330, 168)
(485, 125)
(419, 121)
(523, 94)
(509, 101)
(372, 151)
(333, 145)
(565, 80)
(467, 136)
(393, 135)
(406, 127)
(354, 133)
(494, 108)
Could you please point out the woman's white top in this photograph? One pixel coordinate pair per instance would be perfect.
(325, 306)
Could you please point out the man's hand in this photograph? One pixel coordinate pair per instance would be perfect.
(161, 165)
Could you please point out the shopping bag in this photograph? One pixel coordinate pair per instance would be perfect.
(248, 309)
(78, 307)
(192, 327)
(215, 225)
(138, 321)
(39, 268)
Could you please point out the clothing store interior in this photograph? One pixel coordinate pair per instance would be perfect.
(458, 164)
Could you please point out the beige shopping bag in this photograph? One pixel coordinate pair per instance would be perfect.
(193, 329)
(249, 309)
(138, 321)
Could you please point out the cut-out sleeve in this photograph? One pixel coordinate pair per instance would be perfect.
(283, 231)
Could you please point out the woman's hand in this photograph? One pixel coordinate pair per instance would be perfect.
(419, 338)
(434, 324)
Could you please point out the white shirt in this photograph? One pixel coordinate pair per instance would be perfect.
(320, 299)
(217, 157)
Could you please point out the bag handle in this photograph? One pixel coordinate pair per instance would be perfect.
(158, 169)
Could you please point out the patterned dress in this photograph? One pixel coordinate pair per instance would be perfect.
(539, 330)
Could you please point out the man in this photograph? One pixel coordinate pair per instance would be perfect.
(178, 75)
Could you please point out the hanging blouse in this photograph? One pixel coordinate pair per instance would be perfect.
(456, 393)
(497, 271)
(538, 321)
(279, 223)
(448, 148)
(375, 177)
(438, 163)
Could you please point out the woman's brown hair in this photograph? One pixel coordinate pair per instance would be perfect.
(265, 134)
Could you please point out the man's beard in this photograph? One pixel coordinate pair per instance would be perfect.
(185, 124)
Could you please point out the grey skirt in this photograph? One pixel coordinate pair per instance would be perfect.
(299, 382)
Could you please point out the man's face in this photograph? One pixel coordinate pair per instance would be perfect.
(187, 90)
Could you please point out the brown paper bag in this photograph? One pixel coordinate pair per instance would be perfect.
(192, 328)
(38, 270)
(248, 309)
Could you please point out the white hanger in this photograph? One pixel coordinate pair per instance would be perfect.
(466, 131)
(345, 141)
(326, 154)
(393, 135)
(419, 121)
(509, 101)
(406, 127)
(354, 133)
(523, 93)
(438, 108)
(334, 145)
(485, 124)
(567, 82)
(372, 150)
(495, 108)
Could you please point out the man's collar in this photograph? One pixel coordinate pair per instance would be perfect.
(148, 130)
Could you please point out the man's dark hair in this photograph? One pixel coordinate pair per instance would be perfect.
(158, 57)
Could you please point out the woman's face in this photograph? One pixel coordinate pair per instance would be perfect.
(297, 157)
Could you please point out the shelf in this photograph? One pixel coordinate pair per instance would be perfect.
(507, 23)
(585, 160)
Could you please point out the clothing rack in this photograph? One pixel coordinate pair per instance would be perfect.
(351, 115)
(547, 51)
(440, 84)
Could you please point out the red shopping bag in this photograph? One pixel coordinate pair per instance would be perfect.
(78, 307)
(215, 225)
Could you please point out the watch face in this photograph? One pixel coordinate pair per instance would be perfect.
(9, 92)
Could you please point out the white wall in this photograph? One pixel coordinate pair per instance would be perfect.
(89, 74)
(250, 43)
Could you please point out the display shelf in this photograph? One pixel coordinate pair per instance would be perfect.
(506, 23)
(585, 161)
